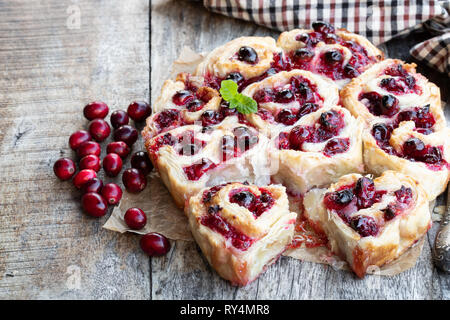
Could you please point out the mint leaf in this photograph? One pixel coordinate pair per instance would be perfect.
(244, 104)
(228, 89)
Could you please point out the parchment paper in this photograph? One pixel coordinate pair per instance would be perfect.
(164, 217)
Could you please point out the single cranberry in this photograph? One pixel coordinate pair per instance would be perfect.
(350, 71)
(333, 57)
(335, 146)
(134, 180)
(414, 148)
(64, 168)
(243, 198)
(93, 185)
(284, 96)
(83, 176)
(404, 195)
(87, 148)
(389, 105)
(139, 110)
(433, 155)
(331, 120)
(342, 197)
(262, 96)
(365, 191)
(381, 132)
(389, 212)
(127, 134)
(180, 98)
(112, 193)
(307, 108)
(118, 147)
(99, 129)
(366, 226)
(77, 138)
(194, 105)
(119, 118)
(247, 54)
(211, 117)
(235, 76)
(410, 81)
(322, 27)
(135, 218)
(91, 161)
(299, 135)
(95, 110)
(112, 164)
(303, 54)
(94, 204)
(141, 161)
(155, 244)
(287, 117)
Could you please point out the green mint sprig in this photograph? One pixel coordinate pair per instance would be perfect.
(238, 101)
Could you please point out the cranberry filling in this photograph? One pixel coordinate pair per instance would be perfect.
(196, 171)
(208, 194)
(402, 83)
(404, 198)
(422, 117)
(335, 146)
(168, 118)
(379, 105)
(414, 149)
(366, 226)
(255, 204)
(215, 222)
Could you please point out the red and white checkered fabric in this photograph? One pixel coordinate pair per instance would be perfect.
(378, 20)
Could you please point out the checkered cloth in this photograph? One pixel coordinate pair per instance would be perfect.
(378, 20)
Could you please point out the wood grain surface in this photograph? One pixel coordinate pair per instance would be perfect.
(122, 50)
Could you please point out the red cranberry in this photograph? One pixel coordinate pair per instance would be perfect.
(404, 195)
(331, 121)
(414, 148)
(336, 145)
(196, 171)
(298, 135)
(333, 57)
(139, 111)
(180, 98)
(287, 117)
(365, 191)
(119, 118)
(307, 108)
(83, 176)
(155, 244)
(112, 193)
(243, 198)
(366, 226)
(284, 96)
(322, 27)
(134, 180)
(167, 118)
(381, 132)
(303, 54)
(210, 117)
(265, 95)
(64, 168)
(87, 148)
(99, 129)
(141, 161)
(90, 161)
(118, 147)
(389, 105)
(95, 110)
(112, 164)
(194, 105)
(127, 134)
(93, 185)
(135, 218)
(350, 71)
(247, 54)
(77, 138)
(389, 212)
(94, 204)
(433, 155)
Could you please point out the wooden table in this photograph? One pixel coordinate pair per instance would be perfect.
(55, 56)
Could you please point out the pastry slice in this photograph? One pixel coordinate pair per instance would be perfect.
(370, 222)
(320, 148)
(405, 149)
(392, 91)
(287, 96)
(192, 157)
(241, 228)
(337, 54)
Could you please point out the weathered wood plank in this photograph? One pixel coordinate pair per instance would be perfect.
(185, 274)
(48, 71)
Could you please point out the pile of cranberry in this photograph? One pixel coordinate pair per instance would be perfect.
(96, 197)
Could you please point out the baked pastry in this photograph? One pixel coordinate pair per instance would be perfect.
(393, 90)
(337, 54)
(320, 148)
(287, 96)
(404, 149)
(192, 157)
(240, 228)
(370, 222)
(243, 60)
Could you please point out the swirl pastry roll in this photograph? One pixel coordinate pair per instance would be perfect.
(319, 149)
(286, 97)
(241, 228)
(243, 60)
(370, 222)
(402, 148)
(337, 54)
(192, 157)
(392, 90)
